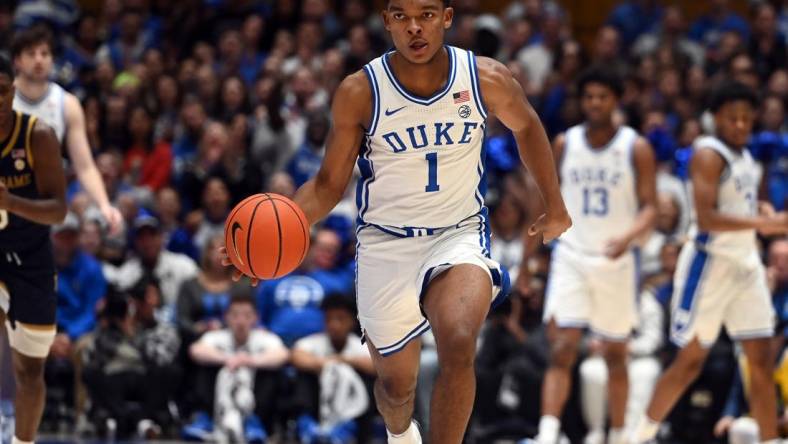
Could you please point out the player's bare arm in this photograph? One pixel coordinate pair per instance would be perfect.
(82, 160)
(646, 168)
(350, 113)
(706, 168)
(505, 98)
(50, 208)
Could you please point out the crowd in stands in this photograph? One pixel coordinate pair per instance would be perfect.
(193, 105)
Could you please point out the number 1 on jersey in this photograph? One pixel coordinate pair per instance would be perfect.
(432, 173)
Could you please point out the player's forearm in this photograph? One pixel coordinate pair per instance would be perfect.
(42, 211)
(316, 199)
(538, 158)
(91, 180)
(715, 221)
(644, 223)
(270, 359)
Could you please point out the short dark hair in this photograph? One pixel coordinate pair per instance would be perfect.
(446, 3)
(732, 91)
(242, 297)
(6, 68)
(27, 38)
(602, 75)
(339, 302)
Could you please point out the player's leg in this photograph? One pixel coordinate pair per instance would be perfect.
(395, 389)
(671, 385)
(29, 376)
(456, 303)
(558, 379)
(763, 402)
(593, 398)
(615, 354)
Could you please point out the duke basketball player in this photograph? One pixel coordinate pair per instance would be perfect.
(720, 279)
(418, 113)
(32, 196)
(608, 181)
(37, 95)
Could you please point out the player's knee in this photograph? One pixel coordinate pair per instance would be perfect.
(29, 371)
(563, 353)
(615, 357)
(398, 390)
(457, 349)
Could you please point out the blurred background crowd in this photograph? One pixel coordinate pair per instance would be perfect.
(193, 105)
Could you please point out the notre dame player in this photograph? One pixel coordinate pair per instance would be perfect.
(32, 196)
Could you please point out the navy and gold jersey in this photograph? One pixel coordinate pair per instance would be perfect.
(16, 172)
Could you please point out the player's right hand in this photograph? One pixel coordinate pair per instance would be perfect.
(237, 274)
(551, 225)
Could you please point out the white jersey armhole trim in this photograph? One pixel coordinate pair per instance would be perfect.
(373, 86)
(477, 92)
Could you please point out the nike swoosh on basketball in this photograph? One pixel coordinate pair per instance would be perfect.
(236, 227)
(390, 112)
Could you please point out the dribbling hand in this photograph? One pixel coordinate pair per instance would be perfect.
(236, 272)
(551, 225)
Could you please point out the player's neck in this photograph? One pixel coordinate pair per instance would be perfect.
(32, 90)
(423, 79)
(599, 135)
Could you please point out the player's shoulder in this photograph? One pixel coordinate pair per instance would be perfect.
(354, 87)
(40, 130)
(353, 98)
(492, 71)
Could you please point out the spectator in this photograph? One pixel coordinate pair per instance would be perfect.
(290, 306)
(508, 219)
(767, 46)
(242, 361)
(188, 133)
(635, 17)
(328, 410)
(203, 300)
(306, 161)
(147, 163)
(214, 210)
(708, 28)
(152, 260)
(81, 285)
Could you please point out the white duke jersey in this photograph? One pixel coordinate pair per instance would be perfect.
(50, 108)
(422, 164)
(599, 189)
(737, 195)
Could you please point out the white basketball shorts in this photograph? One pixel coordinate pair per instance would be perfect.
(710, 291)
(395, 266)
(592, 291)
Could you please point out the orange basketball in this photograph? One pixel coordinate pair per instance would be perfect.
(267, 236)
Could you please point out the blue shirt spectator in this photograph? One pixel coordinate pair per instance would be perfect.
(306, 161)
(290, 306)
(81, 282)
(634, 18)
(708, 28)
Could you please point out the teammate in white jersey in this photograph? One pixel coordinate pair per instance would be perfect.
(720, 279)
(37, 95)
(419, 112)
(608, 181)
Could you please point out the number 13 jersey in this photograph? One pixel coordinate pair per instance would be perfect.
(422, 163)
(599, 189)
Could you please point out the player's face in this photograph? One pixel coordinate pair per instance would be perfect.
(417, 27)
(734, 122)
(6, 97)
(598, 103)
(35, 62)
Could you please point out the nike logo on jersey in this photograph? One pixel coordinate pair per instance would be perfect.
(390, 112)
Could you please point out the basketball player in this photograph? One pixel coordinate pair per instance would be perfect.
(419, 112)
(36, 95)
(32, 196)
(720, 279)
(608, 181)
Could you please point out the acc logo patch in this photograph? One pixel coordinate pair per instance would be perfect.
(464, 111)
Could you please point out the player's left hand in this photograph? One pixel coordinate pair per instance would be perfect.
(4, 196)
(615, 247)
(551, 225)
(113, 217)
(237, 274)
